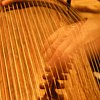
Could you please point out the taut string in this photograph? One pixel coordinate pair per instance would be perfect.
(31, 42)
(6, 63)
(39, 55)
(26, 45)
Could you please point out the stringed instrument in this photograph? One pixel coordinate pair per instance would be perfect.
(24, 28)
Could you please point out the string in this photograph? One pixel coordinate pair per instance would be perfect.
(88, 73)
(18, 52)
(74, 13)
(70, 78)
(74, 66)
(2, 70)
(69, 17)
(86, 78)
(83, 59)
(43, 32)
(95, 56)
(12, 49)
(23, 31)
(75, 75)
(52, 29)
(30, 36)
(1, 78)
(26, 41)
(98, 58)
(1, 83)
(40, 37)
(10, 60)
(35, 42)
(94, 59)
(88, 51)
(50, 14)
(39, 34)
(23, 47)
(6, 67)
(59, 57)
(58, 12)
(13, 26)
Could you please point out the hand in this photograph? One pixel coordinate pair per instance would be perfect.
(5, 2)
(60, 46)
(64, 42)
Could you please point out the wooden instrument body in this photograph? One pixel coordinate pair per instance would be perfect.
(22, 34)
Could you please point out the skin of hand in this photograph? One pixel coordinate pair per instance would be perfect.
(64, 42)
(5, 2)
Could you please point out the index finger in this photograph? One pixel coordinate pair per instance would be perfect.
(6, 2)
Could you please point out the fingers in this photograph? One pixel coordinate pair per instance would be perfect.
(49, 41)
(6, 2)
(60, 45)
(55, 36)
(60, 48)
(52, 48)
(55, 41)
(56, 62)
(57, 53)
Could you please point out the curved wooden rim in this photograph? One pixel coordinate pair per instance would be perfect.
(56, 3)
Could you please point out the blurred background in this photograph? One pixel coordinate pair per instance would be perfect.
(87, 8)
